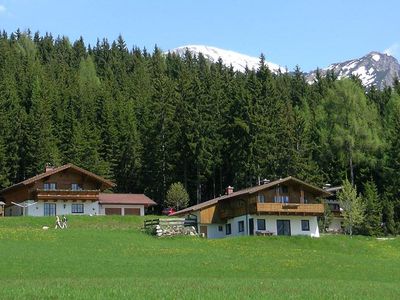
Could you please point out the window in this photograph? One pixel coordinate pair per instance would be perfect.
(228, 229)
(241, 226)
(283, 189)
(261, 224)
(49, 186)
(281, 199)
(49, 209)
(305, 225)
(260, 198)
(77, 208)
(220, 228)
(76, 187)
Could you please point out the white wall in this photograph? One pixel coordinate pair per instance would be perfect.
(295, 224)
(213, 230)
(270, 222)
(64, 208)
(103, 207)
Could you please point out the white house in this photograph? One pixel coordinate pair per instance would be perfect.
(69, 190)
(286, 206)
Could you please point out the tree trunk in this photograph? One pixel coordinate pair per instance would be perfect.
(185, 180)
(214, 174)
(351, 167)
(198, 186)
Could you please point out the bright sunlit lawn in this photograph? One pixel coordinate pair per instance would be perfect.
(110, 258)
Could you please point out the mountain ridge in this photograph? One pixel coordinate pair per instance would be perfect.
(238, 60)
(374, 68)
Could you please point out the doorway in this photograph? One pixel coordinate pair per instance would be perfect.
(251, 226)
(49, 209)
(283, 227)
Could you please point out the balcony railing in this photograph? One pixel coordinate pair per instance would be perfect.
(290, 208)
(82, 195)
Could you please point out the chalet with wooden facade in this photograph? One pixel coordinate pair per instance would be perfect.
(286, 206)
(69, 190)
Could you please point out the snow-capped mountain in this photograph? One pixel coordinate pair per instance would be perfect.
(373, 69)
(237, 60)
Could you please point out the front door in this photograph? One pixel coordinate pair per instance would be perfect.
(283, 227)
(251, 226)
(203, 230)
(49, 209)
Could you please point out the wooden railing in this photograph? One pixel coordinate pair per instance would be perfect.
(290, 208)
(83, 195)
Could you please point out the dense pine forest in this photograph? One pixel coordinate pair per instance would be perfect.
(149, 119)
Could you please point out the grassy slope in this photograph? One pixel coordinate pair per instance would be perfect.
(108, 257)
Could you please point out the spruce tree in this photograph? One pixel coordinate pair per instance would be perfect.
(373, 209)
(352, 205)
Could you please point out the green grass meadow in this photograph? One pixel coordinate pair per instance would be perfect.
(110, 258)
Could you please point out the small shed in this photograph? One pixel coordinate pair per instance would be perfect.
(2, 208)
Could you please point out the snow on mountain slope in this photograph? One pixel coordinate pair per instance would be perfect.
(372, 69)
(237, 60)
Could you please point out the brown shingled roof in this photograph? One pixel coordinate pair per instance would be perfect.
(249, 191)
(110, 198)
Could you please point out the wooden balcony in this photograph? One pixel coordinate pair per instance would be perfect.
(82, 195)
(290, 209)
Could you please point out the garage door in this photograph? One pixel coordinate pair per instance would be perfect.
(113, 210)
(132, 211)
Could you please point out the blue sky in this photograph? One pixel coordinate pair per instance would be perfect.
(308, 33)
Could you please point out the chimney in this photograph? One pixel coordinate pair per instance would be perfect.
(49, 167)
(229, 190)
(265, 181)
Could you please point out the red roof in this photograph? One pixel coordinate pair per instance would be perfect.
(110, 198)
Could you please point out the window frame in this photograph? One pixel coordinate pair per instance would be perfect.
(261, 198)
(305, 225)
(75, 210)
(50, 186)
(241, 226)
(228, 229)
(220, 228)
(77, 185)
(49, 209)
(265, 224)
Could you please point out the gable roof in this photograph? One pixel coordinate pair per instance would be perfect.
(252, 190)
(43, 175)
(110, 198)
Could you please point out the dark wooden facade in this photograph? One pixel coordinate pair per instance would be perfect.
(67, 183)
(288, 196)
